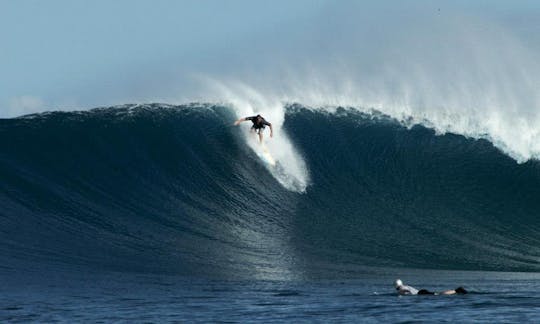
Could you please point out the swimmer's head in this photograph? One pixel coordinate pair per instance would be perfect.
(398, 283)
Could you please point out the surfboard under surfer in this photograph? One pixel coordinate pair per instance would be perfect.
(259, 123)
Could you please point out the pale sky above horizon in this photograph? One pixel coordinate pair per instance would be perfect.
(70, 54)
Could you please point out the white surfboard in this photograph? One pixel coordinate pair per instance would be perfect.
(265, 155)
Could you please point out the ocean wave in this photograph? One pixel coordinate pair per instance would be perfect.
(176, 189)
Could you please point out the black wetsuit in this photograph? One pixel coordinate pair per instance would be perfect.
(258, 126)
(458, 290)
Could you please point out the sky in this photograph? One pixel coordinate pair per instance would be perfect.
(58, 53)
(77, 54)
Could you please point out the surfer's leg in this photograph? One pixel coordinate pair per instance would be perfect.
(253, 131)
(260, 137)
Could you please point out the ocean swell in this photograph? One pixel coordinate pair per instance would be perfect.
(175, 189)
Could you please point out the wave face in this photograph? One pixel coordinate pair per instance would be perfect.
(175, 189)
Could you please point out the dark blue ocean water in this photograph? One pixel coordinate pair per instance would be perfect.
(121, 297)
(163, 213)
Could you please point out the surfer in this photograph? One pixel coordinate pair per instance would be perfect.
(259, 123)
(408, 290)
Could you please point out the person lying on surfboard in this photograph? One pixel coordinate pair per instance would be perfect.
(408, 290)
(259, 123)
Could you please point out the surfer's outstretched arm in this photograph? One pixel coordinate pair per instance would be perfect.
(239, 121)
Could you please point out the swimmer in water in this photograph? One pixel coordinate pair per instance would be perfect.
(408, 290)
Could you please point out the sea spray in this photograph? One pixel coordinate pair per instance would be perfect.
(451, 71)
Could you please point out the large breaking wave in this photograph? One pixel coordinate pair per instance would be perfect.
(175, 189)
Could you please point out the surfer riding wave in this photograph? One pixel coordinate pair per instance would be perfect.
(259, 124)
